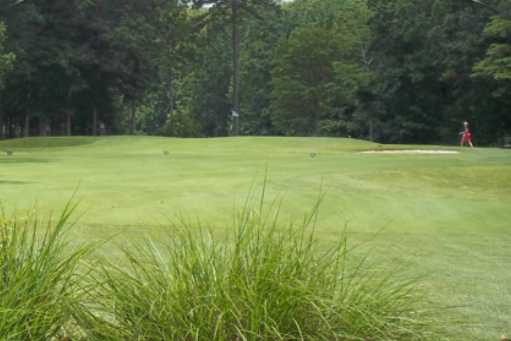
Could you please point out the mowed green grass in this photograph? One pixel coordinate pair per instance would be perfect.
(446, 218)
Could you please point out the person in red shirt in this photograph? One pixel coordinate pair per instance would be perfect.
(466, 136)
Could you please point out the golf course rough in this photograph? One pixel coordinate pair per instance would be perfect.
(412, 152)
(443, 216)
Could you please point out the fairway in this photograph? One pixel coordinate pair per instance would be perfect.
(443, 216)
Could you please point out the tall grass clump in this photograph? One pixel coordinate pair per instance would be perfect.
(39, 282)
(260, 282)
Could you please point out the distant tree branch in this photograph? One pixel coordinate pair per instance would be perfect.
(493, 8)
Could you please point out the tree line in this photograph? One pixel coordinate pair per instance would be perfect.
(406, 71)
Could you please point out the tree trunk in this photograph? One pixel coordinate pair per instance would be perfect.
(2, 129)
(315, 127)
(170, 93)
(236, 46)
(42, 125)
(9, 128)
(94, 121)
(169, 106)
(371, 130)
(69, 114)
(315, 122)
(132, 118)
(26, 129)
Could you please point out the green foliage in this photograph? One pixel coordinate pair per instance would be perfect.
(499, 27)
(497, 63)
(314, 12)
(6, 59)
(261, 283)
(180, 125)
(392, 71)
(423, 53)
(259, 38)
(303, 76)
(319, 70)
(40, 287)
(85, 58)
(203, 92)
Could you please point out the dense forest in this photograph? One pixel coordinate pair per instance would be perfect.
(407, 71)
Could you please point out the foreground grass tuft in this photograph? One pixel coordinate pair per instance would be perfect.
(39, 283)
(261, 282)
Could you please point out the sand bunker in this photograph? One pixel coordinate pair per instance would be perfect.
(411, 152)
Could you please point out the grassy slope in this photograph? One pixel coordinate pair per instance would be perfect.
(446, 216)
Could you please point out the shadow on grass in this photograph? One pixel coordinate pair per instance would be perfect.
(46, 142)
(7, 182)
(23, 160)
